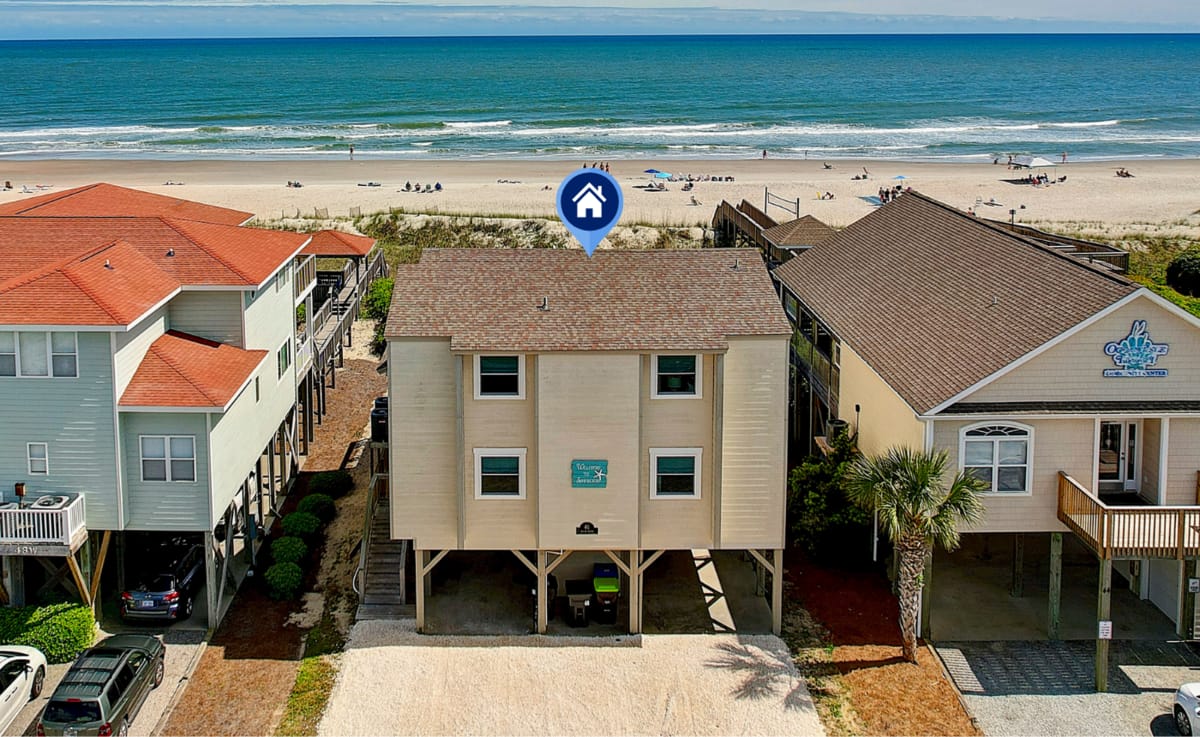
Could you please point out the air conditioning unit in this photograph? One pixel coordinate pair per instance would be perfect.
(52, 501)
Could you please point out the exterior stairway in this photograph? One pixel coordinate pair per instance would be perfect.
(384, 579)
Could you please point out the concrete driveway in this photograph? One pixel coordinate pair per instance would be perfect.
(1047, 688)
(394, 681)
(183, 646)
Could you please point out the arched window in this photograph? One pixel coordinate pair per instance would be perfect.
(999, 454)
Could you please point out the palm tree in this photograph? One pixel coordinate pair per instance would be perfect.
(917, 509)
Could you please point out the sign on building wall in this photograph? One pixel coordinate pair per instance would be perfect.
(589, 474)
(1135, 354)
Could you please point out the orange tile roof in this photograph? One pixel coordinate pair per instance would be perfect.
(182, 370)
(337, 243)
(105, 200)
(157, 256)
(487, 299)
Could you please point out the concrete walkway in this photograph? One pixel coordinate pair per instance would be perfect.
(394, 681)
(1047, 688)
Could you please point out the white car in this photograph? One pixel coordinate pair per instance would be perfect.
(22, 676)
(1187, 707)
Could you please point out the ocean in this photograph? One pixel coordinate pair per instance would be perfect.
(938, 98)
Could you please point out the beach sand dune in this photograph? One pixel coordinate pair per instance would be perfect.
(1159, 198)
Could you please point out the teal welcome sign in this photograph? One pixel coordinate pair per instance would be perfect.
(589, 474)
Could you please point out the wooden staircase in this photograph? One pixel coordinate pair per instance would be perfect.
(385, 579)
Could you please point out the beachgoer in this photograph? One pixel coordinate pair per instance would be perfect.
(437, 187)
(352, 152)
(764, 153)
(1064, 157)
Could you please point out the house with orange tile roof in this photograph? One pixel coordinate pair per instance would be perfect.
(154, 379)
(1036, 365)
(579, 411)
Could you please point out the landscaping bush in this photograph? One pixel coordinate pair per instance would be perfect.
(320, 505)
(301, 524)
(284, 579)
(288, 550)
(821, 518)
(378, 299)
(334, 483)
(1183, 273)
(61, 631)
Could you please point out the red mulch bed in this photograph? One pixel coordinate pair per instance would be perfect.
(243, 680)
(890, 696)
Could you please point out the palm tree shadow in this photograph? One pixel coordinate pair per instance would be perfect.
(765, 674)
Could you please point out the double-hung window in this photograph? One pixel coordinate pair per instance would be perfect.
(675, 376)
(39, 354)
(998, 454)
(38, 457)
(675, 473)
(499, 377)
(284, 357)
(168, 457)
(500, 473)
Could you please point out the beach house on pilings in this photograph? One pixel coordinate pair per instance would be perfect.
(571, 409)
(152, 380)
(1072, 391)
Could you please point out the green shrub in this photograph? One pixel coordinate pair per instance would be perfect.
(301, 524)
(288, 549)
(333, 483)
(301, 312)
(61, 631)
(319, 504)
(821, 518)
(378, 299)
(284, 579)
(1183, 273)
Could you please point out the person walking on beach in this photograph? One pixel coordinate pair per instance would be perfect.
(1064, 157)
(764, 153)
(352, 152)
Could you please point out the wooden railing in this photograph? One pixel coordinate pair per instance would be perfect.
(1128, 532)
(306, 275)
(33, 526)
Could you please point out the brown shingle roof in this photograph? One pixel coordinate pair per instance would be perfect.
(803, 231)
(487, 299)
(936, 300)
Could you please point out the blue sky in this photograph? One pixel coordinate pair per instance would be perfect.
(38, 19)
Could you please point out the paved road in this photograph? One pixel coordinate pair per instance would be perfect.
(1047, 688)
(182, 648)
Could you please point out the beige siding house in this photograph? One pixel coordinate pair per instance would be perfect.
(625, 404)
(1071, 390)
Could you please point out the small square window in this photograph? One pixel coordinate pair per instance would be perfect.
(499, 377)
(676, 376)
(676, 473)
(499, 473)
(168, 457)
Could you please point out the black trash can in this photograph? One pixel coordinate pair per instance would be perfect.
(379, 425)
(381, 403)
(579, 598)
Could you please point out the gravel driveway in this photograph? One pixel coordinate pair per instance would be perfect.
(182, 648)
(1047, 688)
(394, 681)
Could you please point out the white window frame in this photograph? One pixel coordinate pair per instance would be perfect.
(481, 453)
(167, 459)
(285, 349)
(45, 459)
(50, 354)
(520, 376)
(1027, 429)
(656, 453)
(699, 394)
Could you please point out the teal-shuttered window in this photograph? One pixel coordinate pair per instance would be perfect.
(675, 473)
(676, 376)
(500, 473)
(499, 377)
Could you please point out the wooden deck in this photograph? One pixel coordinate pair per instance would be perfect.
(1115, 532)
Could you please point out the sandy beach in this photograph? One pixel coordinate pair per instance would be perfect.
(1159, 198)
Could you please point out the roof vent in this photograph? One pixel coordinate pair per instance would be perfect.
(545, 305)
(170, 252)
(107, 264)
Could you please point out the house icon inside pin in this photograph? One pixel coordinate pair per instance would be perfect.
(589, 202)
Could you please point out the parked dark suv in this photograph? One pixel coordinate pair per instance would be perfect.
(167, 589)
(105, 687)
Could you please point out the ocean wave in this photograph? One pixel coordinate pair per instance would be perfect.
(459, 125)
(1090, 124)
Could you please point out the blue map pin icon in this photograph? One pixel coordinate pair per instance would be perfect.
(589, 203)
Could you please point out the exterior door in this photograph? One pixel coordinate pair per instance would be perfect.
(1117, 458)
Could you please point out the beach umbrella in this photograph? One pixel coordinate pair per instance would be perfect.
(662, 175)
(899, 176)
(650, 171)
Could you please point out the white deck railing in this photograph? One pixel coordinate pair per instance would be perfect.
(32, 525)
